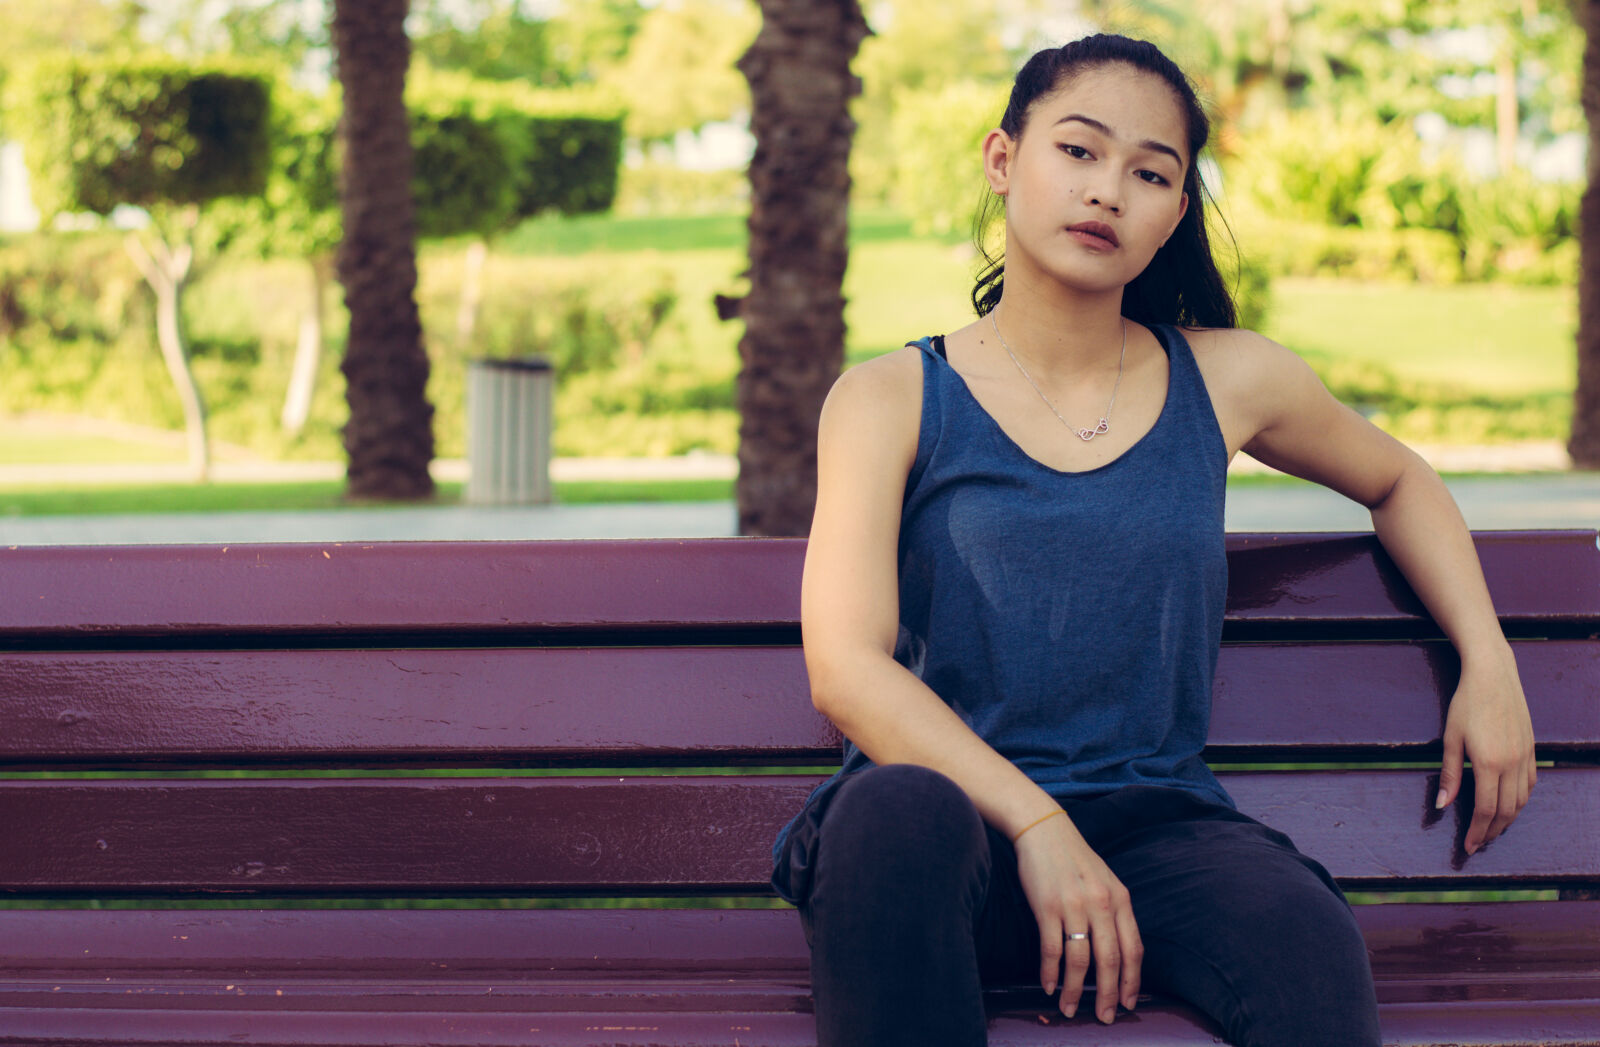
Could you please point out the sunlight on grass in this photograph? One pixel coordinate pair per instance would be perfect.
(20, 445)
(1497, 338)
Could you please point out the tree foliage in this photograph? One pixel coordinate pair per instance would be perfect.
(509, 40)
(679, 74)
(297, 214)
(147, 131)
(489, 154)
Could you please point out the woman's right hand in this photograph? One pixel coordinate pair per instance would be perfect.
(1072, 891)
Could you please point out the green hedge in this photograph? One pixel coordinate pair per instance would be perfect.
(297, 215)
(569, 162)
(99, 132)
(490, 153)
(463, 176)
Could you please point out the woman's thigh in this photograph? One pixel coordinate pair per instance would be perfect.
(1242, 925)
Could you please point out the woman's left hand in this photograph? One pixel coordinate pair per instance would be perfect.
(1488, 723)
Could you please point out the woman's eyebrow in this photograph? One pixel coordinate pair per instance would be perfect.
(1148, 143)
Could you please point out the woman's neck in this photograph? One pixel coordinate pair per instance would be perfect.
(1059, 332)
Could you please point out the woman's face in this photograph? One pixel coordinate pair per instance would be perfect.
(1094, 184)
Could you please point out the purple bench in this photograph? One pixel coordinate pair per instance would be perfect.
(386, 663)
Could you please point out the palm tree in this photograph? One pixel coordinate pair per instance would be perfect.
(793, 344)
(389, 437)
(1584, 444)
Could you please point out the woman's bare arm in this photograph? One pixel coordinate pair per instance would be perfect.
(1300, 428)
(866, 442)
(849, 614)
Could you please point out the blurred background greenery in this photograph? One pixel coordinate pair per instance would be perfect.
(1401, 179)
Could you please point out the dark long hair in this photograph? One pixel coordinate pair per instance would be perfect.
(1181, 284)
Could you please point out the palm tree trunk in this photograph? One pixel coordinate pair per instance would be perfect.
(389, 436)
(793, 345)
(1584, 444)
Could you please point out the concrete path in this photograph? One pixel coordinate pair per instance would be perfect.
(1557, 500)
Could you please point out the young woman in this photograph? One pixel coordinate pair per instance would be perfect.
(1012, 609)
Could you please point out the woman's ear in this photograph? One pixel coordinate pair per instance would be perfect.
(1183, 209)
(997, 152)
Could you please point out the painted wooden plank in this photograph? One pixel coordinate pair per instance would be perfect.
(1533, 576)
(1523, 946)
(478, 588)
(1499, 973)
(485, 589)
(186, 1022)
(668, 834)
(422, 707)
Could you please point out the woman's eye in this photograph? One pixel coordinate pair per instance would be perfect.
(1077, 152)
(1153, 178)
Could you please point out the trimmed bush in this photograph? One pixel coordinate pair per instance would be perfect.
(297, 215)
(99, 132)
(463, 177)
(557, 150)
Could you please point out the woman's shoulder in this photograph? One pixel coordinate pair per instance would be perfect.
(871, 422)
(880, 384)
(1240, 359)
(1252, 380)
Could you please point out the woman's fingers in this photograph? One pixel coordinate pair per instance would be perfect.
(1450, 768)
(1107, 966)
(1078, 954)
(1049, 955)
(1512, 797)
(1484, 807)
(1132, 956)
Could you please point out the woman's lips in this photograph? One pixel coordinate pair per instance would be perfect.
(1094, 234)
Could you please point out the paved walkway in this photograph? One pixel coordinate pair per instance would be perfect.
(1557, 500)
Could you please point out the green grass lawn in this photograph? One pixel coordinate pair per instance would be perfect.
(312, 495)
(26, 446)
(1492, 337)
(586, 234)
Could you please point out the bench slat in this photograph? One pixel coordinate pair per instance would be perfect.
(665, 970)
(1533, 576)
(510, 588)
(636, 705)
(485, 1024)
(668, 834)
(190, 1023)
(1521, 943)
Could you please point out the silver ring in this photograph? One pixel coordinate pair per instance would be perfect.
(1077, 936)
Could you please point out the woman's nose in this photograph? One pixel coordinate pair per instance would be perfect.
(1106, 199)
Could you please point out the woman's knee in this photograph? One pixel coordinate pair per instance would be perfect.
(905, 824)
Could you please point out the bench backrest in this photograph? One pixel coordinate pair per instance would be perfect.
(339, 682)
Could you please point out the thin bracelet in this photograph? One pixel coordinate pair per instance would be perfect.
(1030, 825)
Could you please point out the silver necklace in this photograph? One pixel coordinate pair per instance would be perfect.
(1105, 422)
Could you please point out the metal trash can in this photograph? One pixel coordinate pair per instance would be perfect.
(508, 431)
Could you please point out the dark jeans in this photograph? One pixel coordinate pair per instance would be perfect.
(911, 904)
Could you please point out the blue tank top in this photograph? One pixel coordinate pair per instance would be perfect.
(1071, 619)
